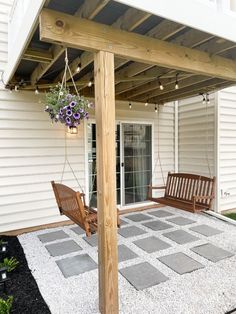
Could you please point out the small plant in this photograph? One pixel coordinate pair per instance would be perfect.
(6, 305)
(66, 108)
(10, 264)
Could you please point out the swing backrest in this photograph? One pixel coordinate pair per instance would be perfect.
(70, 203)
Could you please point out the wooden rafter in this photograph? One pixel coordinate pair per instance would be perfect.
(89, 9)
(203, 86)
(37, 55)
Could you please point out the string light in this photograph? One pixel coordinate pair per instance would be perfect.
(130, 105)
(146, 103)
(160, 85)
(36, 90)
(176, 81)
(78, 68)
(90, 83)
(156, 108)
(10, 90)
(207, 99)
(16, 88)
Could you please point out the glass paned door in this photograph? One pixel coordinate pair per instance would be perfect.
(137, 161)
(133, 162)
(92, 171)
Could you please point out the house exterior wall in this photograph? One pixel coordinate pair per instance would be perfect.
(32, 154)
(227, 148)
(5, 7)
(197, 136)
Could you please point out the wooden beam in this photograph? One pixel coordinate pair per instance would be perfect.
(89, 9)
(129, 21)
(37, 55)
(106, 178)
(191, 39)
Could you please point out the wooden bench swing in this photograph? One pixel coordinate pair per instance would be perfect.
(185, 191)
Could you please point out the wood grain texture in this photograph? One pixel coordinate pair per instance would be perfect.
(106, 180)
(92, 36)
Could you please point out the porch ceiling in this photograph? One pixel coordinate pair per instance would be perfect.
(42, 63)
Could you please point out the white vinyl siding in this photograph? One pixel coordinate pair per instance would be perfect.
(5, 7)
(196, 136)
(227, 148)
(31, 155)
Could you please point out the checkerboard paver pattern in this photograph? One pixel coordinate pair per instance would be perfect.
(157, 231)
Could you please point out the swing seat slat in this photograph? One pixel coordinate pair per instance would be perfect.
(72, 204)
(186, 191)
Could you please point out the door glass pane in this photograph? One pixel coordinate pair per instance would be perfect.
(137, 161)
(92, 164)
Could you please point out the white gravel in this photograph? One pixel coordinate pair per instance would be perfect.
(211, 290)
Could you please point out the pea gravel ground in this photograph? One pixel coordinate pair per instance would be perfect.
(210, 290)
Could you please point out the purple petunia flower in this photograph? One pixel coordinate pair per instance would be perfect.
(76, 123)
(76, 115)
(69, 112)
(68, 121)
(73, 104)
(81, 110)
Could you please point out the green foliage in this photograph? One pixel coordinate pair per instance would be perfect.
(231, 215)
(66, 108)
(6, 305)
(10, 264)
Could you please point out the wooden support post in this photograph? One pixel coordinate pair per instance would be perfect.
(106, 181)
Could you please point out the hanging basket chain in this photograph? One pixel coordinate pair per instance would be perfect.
(63, 84)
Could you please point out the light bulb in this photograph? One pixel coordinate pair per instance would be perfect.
(36, 90)
(78, 68)
(146, 103)
(90, 83)
(130, 106)
(16, 88)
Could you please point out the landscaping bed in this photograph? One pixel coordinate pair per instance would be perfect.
(21, 284)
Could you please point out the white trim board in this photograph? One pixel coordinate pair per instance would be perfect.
(190, 13)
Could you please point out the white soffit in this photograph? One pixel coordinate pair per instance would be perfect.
(204, 17)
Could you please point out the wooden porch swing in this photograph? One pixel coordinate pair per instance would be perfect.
(190, 192)
(72, 203)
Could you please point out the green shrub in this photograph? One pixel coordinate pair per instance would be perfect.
(10, 264)
(6, 305)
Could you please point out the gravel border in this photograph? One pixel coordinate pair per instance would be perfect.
(205, 291)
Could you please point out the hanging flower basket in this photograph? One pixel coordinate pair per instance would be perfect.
(69, 109)
(62, 106)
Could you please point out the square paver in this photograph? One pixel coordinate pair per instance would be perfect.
(157, 225)
(52, 236)
(62, 248)
(206, 230)
(180, 236)
(151, 244)
(124, 253)
(78, 230)
(92, 240)
(131, 231)
(181, 221)
(180, 263)
(123, 222)
(143, 275)
(160, 213)
(76, 265)
(139, 217)
(211, 252)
